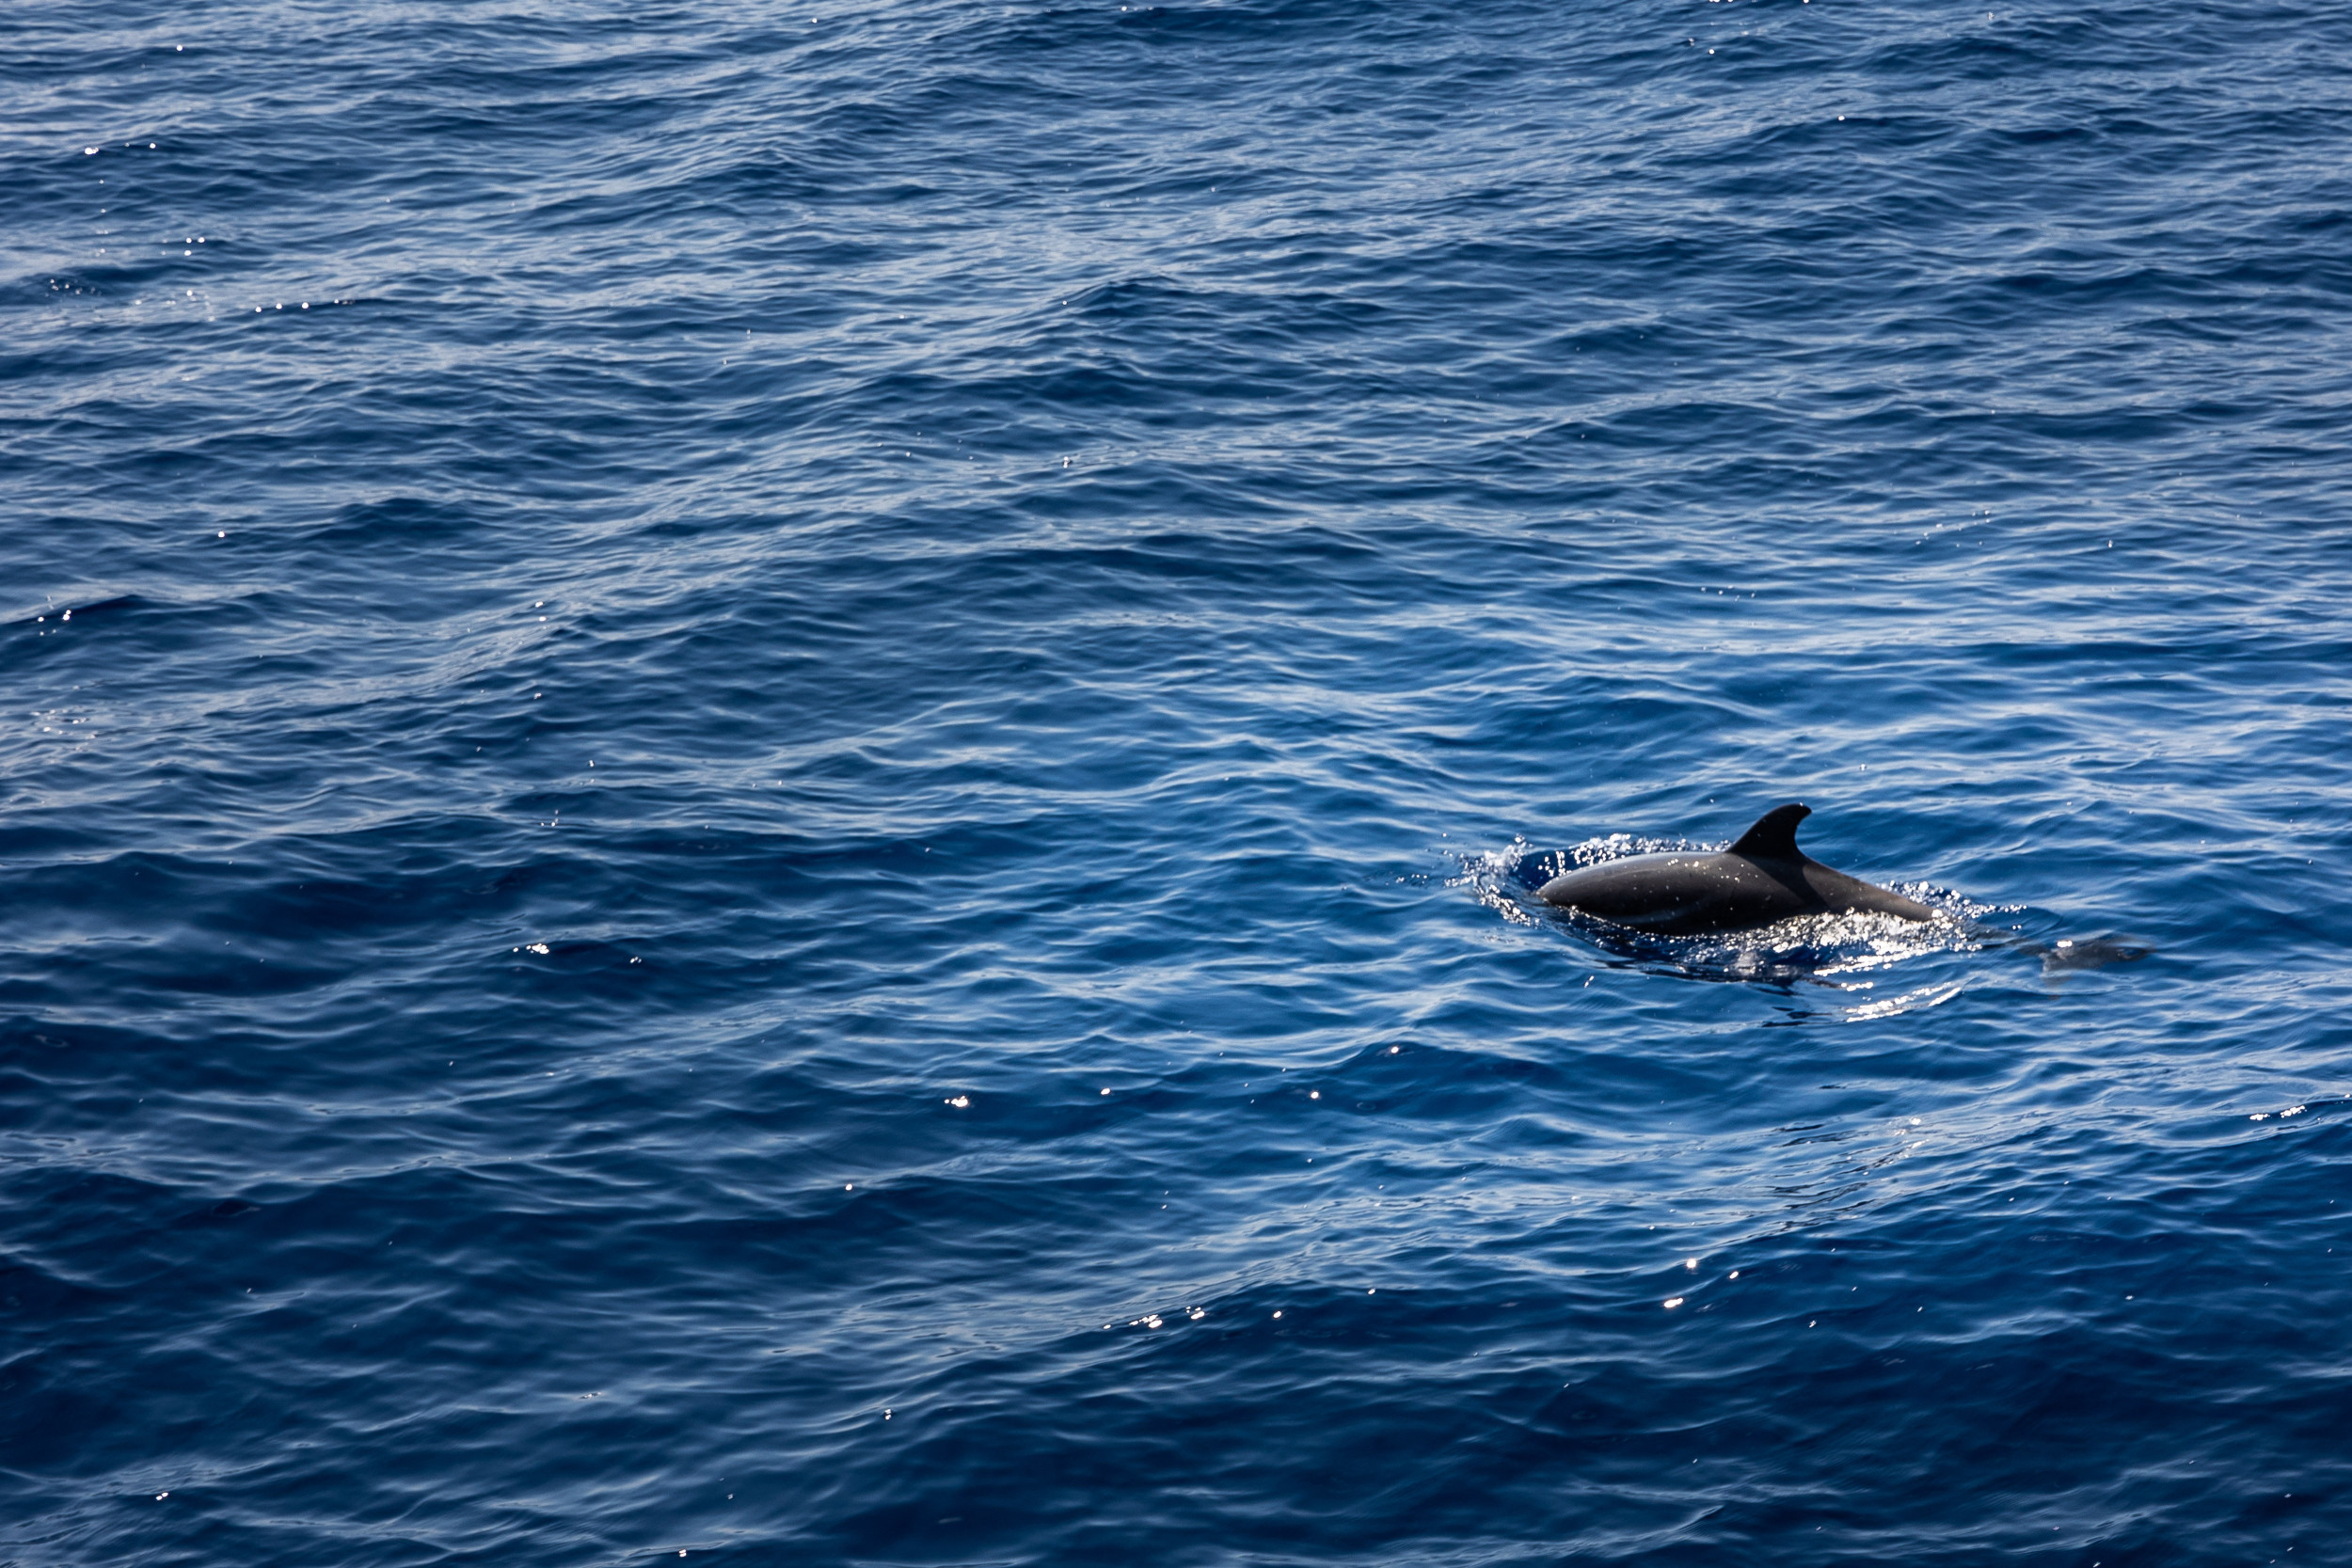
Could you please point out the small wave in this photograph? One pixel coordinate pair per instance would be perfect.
(1909, 1002)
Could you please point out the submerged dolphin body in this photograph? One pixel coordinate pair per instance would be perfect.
(2070, 953)
(1762, 878)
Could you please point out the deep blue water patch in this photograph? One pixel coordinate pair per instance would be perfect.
(774, 774)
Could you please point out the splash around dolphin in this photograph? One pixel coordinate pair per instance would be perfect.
(1761, 878)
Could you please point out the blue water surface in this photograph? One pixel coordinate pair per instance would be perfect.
(772, 778)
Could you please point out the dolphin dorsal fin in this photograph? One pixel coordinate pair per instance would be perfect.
(1774, 835)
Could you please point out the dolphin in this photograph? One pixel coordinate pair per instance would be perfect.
(2081, 953)
(1762, 878)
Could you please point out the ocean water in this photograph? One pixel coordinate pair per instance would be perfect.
(772, 776)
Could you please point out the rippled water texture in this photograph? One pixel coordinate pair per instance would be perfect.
(774, 778)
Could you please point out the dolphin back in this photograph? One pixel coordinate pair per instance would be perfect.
(1761, 878)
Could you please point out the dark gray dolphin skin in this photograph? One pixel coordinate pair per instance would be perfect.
(1762, 878)
(2085, 953)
